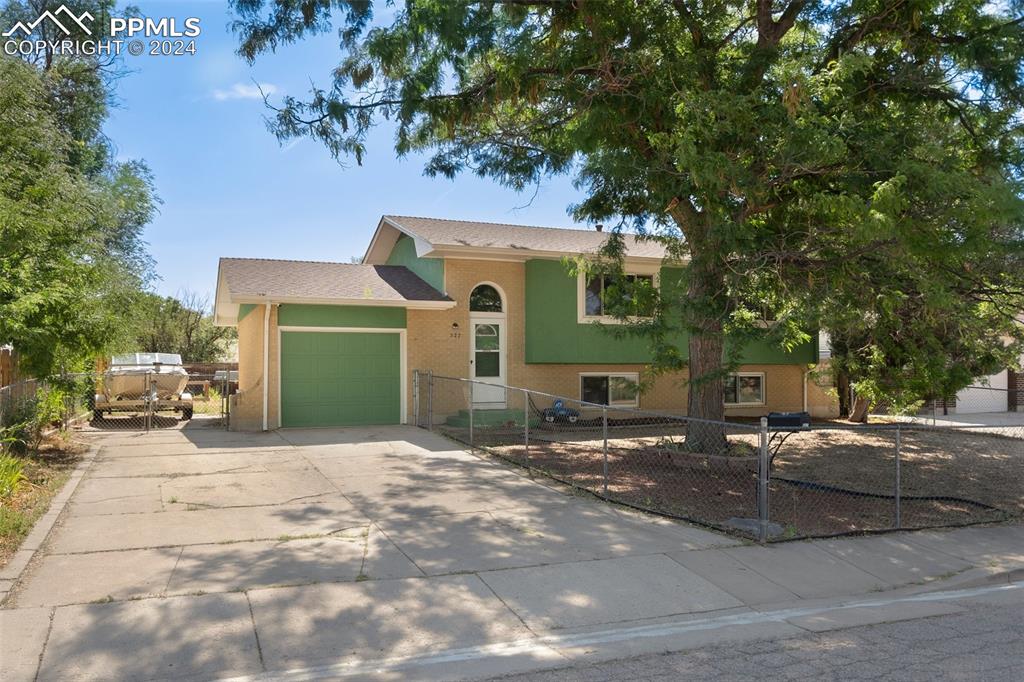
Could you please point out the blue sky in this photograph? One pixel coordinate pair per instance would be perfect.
(229, 188)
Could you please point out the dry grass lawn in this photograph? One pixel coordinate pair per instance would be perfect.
(824, 482)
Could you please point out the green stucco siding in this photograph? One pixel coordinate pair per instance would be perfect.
(554, 335)
(293, 315)
(340, 378)
(430, 270)
(244, 309)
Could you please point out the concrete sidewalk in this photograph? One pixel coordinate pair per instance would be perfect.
(1014, 421)
(205, 554)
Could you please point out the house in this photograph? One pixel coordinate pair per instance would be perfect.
(1002, 391)
(333, 344)
(992, 393)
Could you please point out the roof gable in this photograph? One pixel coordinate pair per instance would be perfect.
(460, 238)
(258, 280)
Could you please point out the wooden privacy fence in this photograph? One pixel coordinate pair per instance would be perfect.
(8, 366)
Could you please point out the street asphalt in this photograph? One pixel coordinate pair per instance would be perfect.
(983, 642)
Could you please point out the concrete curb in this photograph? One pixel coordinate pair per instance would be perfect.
(12, 572)
(976, 577)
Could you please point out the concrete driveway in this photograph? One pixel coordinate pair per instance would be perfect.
(183, 542)
(1009, 419)
(201, 554)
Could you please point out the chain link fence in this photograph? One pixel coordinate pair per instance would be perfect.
(88, 402)
(740, 476)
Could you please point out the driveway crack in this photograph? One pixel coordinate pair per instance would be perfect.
(174, 568)
(255, 632)
(516, 614)
(399, 548)
(46, 641)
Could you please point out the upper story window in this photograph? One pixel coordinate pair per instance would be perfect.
(761, 312)
(485, 299)
(605, 297)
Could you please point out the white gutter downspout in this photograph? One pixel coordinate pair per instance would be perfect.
(806, 375)
(266, 363)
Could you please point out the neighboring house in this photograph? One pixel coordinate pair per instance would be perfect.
(337, 343)
(999, 392)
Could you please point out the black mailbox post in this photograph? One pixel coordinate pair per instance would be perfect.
(782, 425)
(789, 421)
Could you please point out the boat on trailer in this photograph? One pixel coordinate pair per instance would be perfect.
(139, 381)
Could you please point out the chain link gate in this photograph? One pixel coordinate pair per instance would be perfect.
(81, 402)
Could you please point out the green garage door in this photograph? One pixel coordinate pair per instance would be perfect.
(340, 379)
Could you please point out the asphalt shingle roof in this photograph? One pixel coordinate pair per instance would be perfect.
(440, 233)
(315, 280)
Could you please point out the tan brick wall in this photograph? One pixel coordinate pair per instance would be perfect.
(822, 400)
(783, 390)
(434, 344)
(247, 404)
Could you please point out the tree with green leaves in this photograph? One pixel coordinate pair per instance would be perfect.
(181, 324)
(72, 259)
(800, 154)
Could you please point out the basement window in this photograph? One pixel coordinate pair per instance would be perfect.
(744, 388)
(621, 390)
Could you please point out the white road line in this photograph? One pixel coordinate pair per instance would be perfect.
(544, 646)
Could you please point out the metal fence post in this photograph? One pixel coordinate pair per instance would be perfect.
(526, 426)
(897, 491)
(471, 414)
(149, 401)
(604, 433)
(415, 397)
(762, 483)
(430, 400)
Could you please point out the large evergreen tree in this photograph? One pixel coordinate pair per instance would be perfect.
(808, 154)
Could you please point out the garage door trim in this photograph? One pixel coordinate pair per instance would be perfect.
(350, 330)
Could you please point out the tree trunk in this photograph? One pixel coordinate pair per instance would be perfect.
(859, 411)
(706, 398)
(843, 391)
(706, 395)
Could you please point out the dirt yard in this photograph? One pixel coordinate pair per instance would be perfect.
(45, 472)
(823, 482)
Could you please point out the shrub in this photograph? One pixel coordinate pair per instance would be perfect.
(11, 475)
(26, 423)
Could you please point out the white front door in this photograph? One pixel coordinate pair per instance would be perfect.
(487, 360)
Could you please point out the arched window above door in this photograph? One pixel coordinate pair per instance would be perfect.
(485, 299)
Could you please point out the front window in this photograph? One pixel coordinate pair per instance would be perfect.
(607, 295)
(610, 389)
(744, 388)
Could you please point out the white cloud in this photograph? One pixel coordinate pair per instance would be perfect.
(244, 91)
